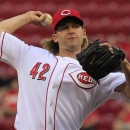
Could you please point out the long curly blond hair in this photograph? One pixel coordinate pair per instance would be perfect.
(52, 47)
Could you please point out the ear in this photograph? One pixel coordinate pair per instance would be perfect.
(84, 33)
(54, 37)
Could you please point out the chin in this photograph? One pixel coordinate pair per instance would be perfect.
(73, 47)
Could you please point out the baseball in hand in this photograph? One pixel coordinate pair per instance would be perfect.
(47, 21)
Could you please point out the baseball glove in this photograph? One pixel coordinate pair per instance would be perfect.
(98, 61)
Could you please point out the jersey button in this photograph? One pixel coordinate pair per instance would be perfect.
(50, 122)
(51, 104)
(53, 87)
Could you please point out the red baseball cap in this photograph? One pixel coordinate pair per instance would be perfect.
(63, 13)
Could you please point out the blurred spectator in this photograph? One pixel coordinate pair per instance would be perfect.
(103, 117)
(10, 98)
(3, 90)
(122, 122)
(8, 105)
(91, 122)
(108, 113)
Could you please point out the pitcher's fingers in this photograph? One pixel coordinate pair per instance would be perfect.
(106, 44)
(110, 47)
(42, 17)
(39, 13)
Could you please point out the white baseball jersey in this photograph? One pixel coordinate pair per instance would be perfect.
(54, 92)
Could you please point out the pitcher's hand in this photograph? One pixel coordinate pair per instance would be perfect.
(36, 17)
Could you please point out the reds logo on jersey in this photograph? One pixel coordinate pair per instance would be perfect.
(83, 80)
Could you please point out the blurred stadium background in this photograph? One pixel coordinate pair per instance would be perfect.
(104, 20)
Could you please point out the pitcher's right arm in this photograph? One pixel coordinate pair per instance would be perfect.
(12, 24)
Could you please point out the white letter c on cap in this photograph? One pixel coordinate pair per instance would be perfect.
(65, 12)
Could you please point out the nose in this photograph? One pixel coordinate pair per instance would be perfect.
(71, 30)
